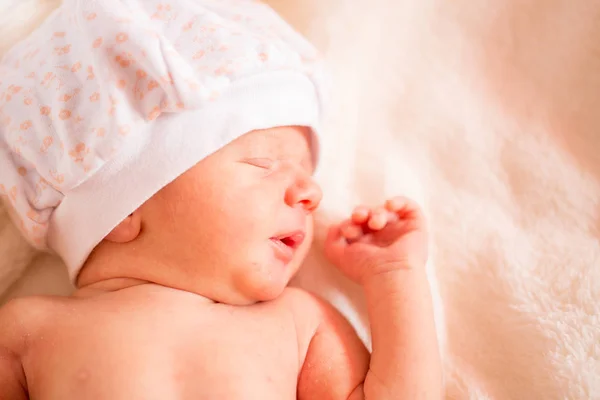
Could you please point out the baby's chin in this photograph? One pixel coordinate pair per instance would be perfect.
(266, 284)
(266, 290)
(250, 296)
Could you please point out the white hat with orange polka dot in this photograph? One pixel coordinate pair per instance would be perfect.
(109, 101)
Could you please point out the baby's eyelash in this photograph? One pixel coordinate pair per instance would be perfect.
(265, 163)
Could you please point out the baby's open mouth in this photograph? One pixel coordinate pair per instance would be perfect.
(292, 239)
(287, 243)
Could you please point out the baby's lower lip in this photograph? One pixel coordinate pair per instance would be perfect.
(284, 253)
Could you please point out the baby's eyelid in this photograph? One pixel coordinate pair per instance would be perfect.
(261, 162)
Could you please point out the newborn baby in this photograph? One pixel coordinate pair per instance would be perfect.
(165, 151)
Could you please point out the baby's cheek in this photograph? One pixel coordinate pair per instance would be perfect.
(257, 206)
(308, 239)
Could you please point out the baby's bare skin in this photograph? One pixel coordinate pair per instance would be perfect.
(187, 298)
(152, 342)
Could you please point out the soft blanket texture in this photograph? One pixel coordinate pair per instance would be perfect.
(487, 112)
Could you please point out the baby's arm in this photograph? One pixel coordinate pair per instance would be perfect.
(11, 382)
(405, 363)
(336, 360)
(385, 251)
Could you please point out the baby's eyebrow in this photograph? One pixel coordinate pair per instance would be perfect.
(279, 147)
(307, 162)
(304, 159)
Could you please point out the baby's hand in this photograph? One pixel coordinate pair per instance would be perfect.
(379, 240)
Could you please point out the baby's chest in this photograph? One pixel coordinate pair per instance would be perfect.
(211, 358)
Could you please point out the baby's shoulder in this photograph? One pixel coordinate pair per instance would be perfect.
(308, 309)
(25, 316)
(33, 308)
(297, 297)
(313, 314)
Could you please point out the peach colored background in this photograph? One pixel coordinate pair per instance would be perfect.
(489, 114)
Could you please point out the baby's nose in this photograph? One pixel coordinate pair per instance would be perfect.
(305, 192)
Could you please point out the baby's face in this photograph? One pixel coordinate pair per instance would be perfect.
(237, 226)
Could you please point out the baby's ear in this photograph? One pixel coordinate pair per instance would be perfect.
(127, 230)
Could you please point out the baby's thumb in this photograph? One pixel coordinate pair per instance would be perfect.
(335, 243)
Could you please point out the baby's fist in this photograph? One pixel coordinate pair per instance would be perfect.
(379, 240)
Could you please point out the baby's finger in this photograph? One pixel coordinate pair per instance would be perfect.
(378, 220)
(335, 243)
(334, 234)
(360, 215)
(403, 206)
(350, 230)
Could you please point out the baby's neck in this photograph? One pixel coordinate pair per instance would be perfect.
(124, 284)
(113, 267)
(105, 286)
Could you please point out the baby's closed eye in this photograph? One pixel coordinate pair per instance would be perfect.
(266, 163)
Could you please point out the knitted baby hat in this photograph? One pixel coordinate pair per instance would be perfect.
(109, 101)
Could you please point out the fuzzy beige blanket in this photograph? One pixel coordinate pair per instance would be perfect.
(489, 114)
